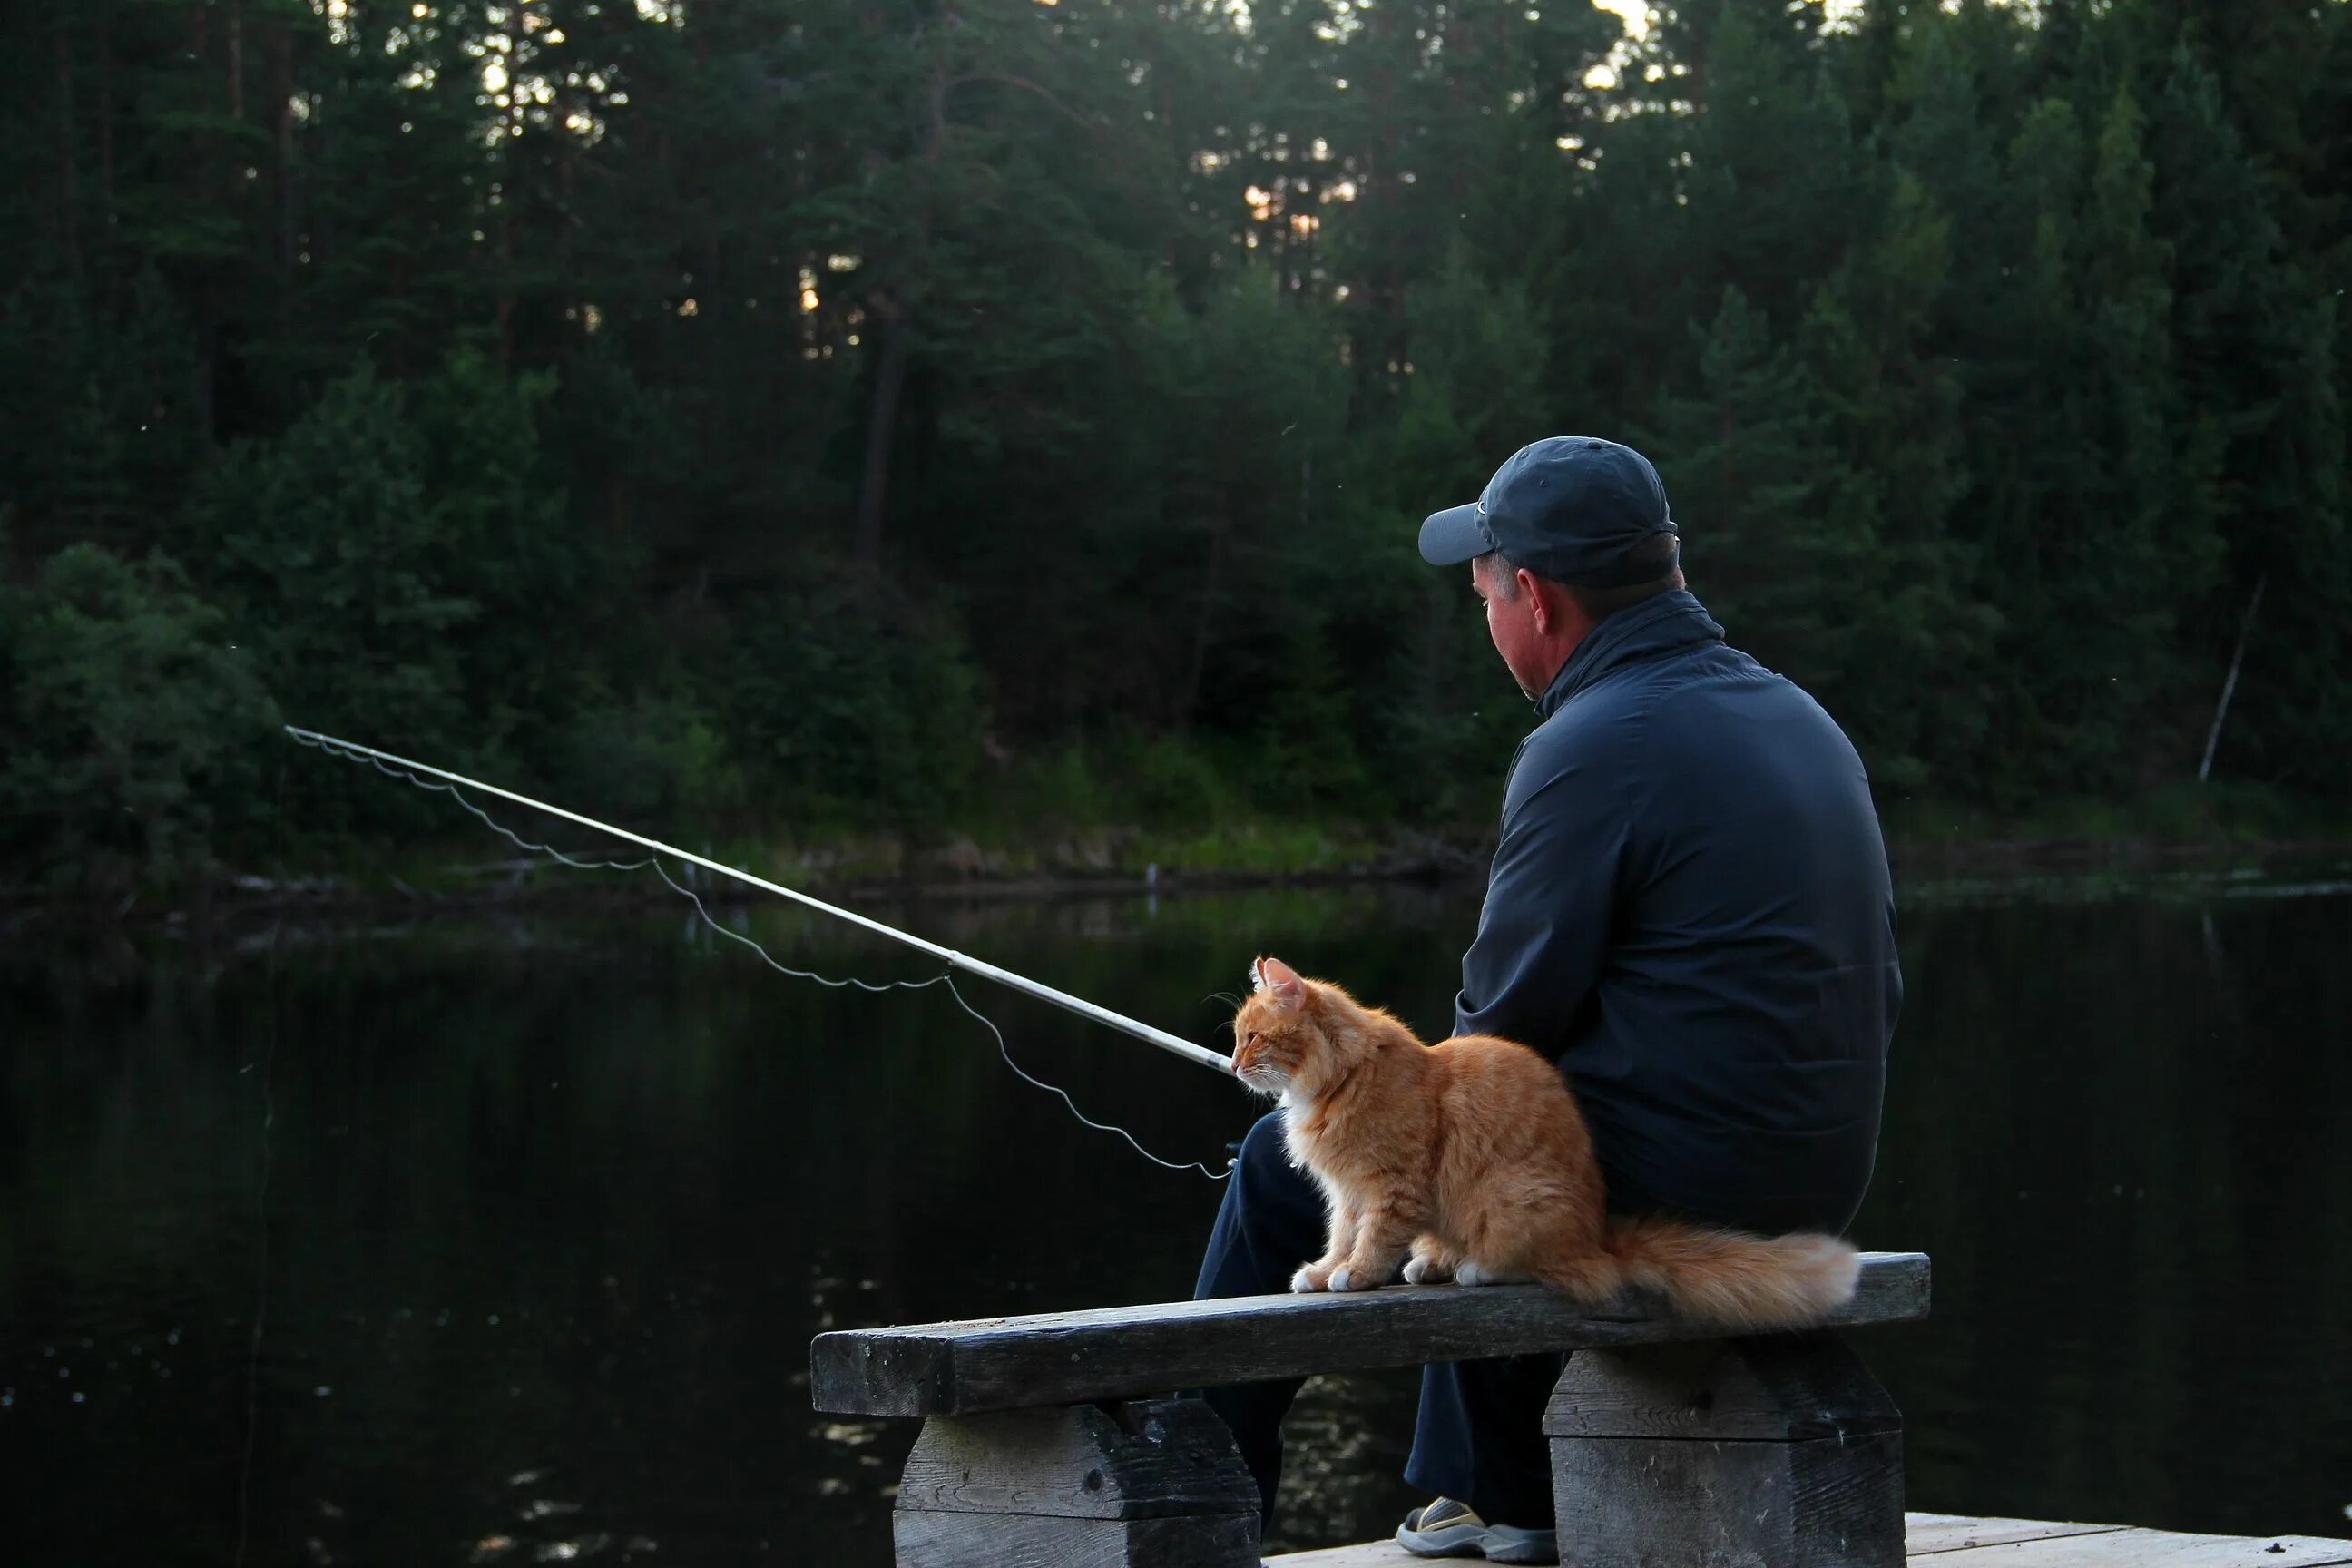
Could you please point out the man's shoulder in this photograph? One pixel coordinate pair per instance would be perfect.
(1577, 728)
(1587, 741)
(1710, 711)
(1679, 690)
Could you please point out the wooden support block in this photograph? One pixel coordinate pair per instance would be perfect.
(1780, 1451)
(1152, 1484)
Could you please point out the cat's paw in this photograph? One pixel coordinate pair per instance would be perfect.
(1470, 1274)
(1348, 1280)
(1431, 1263)
(1307, 1281)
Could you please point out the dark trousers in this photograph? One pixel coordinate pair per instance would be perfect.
(1479, 1437)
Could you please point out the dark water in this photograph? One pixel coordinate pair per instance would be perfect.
(551, 1208)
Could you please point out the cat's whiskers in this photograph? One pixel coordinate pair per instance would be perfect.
(1265, 1080)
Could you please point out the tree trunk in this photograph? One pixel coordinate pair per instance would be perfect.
(567, 187)
(2230, 686)
(281, 89)
(1211, 584)
(881, 431)
(236, 64)
(105, 135)
(68, 194)
(323, 213)
(505, 279)
(200, 189)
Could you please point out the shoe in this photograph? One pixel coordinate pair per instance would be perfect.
(1450, 1529)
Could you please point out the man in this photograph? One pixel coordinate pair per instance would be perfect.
(1689, 909)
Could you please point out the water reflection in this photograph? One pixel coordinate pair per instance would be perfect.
(554, 1205)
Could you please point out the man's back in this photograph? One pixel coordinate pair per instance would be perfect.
(1690, 910)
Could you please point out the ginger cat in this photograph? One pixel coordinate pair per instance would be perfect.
(1469, 1159)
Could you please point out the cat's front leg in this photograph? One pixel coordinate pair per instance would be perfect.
(1382, 1238)
(1317, 1275)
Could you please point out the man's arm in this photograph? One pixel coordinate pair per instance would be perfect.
(1551, 904)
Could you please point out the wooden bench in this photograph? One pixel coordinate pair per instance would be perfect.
(1050, 1440)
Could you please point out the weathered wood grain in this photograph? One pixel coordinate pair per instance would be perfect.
(1155, 1484)
(1144, 1460)
(1783, 1387)
(1646, 1503)
(2154, 1549)
(2000, 1543)
(1369, 1554)
(987, 1541)
(1926, 1534)
(1761, 1452)
(1061, 1358)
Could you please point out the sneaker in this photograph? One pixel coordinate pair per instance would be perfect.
(1450, 1529)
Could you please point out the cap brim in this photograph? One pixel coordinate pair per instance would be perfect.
(1449, 538)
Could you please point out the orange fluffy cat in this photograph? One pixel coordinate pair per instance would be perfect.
(1468, 1159)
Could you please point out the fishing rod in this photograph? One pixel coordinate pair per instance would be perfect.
(1199, 1055)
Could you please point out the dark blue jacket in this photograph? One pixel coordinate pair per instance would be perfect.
(1690, 910)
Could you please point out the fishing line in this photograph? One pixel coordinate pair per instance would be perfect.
(261, 1230)
(1199, 1055)
(349, 752)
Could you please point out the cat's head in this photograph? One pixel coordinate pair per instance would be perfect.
(1280, 1038)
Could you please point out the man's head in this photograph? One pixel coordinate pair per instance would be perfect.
(1568, 532)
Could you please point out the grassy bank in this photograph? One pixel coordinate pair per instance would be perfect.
(1096, 836)
(2189, 823)
(2219, 829)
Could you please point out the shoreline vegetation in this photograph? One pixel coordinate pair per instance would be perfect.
(698, 414)
(2220, 832)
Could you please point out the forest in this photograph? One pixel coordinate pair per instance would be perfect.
(955, 419)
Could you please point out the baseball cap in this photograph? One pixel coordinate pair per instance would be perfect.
(1567, 508)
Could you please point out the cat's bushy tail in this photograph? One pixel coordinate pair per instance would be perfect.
(1734, 1281)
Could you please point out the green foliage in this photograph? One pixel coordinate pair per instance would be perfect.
(1753, 489)
(101, 418)
(790, 415)
(327, 551)
(1302, 755)
(851, 707)
(132, 733)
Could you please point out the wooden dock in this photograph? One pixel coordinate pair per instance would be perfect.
(1955, 1542)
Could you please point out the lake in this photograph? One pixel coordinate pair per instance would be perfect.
(499, 1238)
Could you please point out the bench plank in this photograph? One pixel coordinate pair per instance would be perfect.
(1068, 1358)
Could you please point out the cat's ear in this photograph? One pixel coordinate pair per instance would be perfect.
(1281, 981)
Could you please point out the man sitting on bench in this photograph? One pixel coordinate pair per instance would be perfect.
(1689, 909)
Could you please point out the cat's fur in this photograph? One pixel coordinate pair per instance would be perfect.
(1469, 1159)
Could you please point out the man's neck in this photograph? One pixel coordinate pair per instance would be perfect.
(1568, 642)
